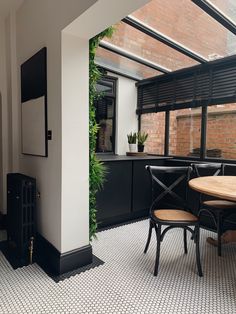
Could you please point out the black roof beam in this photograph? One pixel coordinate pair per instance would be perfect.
(164, 39)
(133, 57)
(216, 14)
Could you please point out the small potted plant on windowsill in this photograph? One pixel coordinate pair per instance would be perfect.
(142, 137)
(132, 140)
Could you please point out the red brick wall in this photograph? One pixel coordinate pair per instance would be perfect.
(185, 131)
(188, 134)
(221, 133)
(182, 21)
(186, 23)
(154, 125)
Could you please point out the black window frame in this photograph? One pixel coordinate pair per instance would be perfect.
(110, 95)
(203, 140)
(201, 98)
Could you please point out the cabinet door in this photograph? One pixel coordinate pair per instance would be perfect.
(142, 184)
(115, 198)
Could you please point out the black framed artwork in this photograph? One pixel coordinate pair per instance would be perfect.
(34, 105)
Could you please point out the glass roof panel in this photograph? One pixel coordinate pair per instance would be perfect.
(123, 65)
(227, 7)
(144, 46)
(186, 23)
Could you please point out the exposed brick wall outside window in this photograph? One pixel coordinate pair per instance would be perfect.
(185, 131)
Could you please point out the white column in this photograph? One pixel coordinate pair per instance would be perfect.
(15, 99)
(75, 142)
(4, 118)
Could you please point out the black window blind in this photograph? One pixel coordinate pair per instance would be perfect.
(206, 84)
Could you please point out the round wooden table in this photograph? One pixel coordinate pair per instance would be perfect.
(223, 187)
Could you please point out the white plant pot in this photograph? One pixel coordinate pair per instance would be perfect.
(133, 148)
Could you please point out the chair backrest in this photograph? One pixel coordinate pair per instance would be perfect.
(173, 185)
(202, 170)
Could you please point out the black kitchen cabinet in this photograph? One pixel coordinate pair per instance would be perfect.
(126, 194)
(115, 198)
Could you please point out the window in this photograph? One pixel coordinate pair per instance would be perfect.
(115, 62)
(144, 46)
(154, 125)
(184, 136)
(200, 109)
(185, 132)
(221, 131)
(105, 115)
(228, 7)
(186, 23)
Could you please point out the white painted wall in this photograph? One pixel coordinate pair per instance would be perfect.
(62, 178)
(14, 95)
(4, 77)
(126, 118)
(39, 24)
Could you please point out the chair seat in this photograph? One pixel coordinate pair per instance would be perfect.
(220, 204)
(177, 215)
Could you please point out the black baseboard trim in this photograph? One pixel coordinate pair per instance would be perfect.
(55, 263)
(96, 262)
(124, 223)
(104, 223)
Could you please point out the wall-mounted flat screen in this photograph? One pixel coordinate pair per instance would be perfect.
(34, 105)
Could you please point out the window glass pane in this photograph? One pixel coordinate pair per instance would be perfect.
(185, 132)
(227, 7)
(221, 131)
(154, 125)
(115, 62)
(142, 45)
(104, 87)
(186, 23)
(105, 114)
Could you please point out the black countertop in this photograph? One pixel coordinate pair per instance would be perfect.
(108, 157)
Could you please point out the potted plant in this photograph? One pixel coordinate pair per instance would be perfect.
(142, 137)
(132, 140)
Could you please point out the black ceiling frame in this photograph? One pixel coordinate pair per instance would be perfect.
(164, 39)
(129, 55)
(216, 15)
(205, 6)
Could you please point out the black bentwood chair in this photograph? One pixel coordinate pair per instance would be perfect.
(218, 209)
(176, 216)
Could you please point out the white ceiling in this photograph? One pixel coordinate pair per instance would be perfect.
(7, 5)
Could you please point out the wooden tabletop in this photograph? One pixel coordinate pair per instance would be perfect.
(223, 187)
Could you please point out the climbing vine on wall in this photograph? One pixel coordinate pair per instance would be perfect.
(97, 169)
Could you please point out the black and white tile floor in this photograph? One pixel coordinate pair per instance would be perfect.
(125, 283)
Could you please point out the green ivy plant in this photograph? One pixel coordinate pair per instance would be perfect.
(97, 168)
